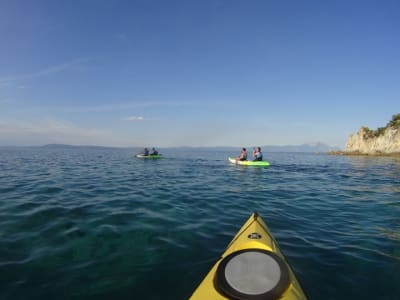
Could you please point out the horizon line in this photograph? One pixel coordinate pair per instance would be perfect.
(165, 147)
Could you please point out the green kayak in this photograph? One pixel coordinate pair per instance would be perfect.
(148, 156)
(260, 163)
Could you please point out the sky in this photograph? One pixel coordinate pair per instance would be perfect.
(144, 73)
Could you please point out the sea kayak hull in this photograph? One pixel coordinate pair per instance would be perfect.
(252, 242)
(262, 163)
(148, 156)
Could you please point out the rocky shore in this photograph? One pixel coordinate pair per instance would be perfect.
(384, 141)
(357, 153)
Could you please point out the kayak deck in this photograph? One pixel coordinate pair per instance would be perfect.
(260, 163)
(148, 156)
(252, 267)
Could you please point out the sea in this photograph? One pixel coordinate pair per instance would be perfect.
(98, 223)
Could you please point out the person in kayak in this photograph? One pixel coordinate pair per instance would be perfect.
(257, 154)
(145, 152)
(154, 151)
(242, 155)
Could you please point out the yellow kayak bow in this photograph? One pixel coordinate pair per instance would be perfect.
(252, 268)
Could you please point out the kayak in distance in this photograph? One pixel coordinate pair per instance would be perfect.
(258, 163)
(149, 156)
(252, 268)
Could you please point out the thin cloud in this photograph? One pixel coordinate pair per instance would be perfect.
(135, 119)
(4, 84)
(4, 81)
(49, 127)
(123, 106)
(5, 100)
(53, 131)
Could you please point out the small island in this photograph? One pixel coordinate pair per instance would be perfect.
(384, 141)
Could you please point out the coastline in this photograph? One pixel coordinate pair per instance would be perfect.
(358, 153)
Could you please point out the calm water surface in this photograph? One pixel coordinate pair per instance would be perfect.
(100, 224)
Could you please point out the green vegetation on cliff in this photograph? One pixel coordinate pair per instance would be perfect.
(394, 123)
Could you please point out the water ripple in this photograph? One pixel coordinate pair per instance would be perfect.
(102, 224)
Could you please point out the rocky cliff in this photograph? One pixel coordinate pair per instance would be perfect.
(387, 143)
(385, 140)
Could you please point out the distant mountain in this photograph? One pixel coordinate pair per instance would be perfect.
(64, 146)
(311, 147)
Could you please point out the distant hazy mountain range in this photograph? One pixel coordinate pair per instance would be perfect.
(311, 148)
(64, 146)
(314, 147)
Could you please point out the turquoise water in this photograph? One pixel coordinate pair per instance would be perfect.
(100, 224)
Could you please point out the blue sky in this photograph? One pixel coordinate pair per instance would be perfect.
(196, 73)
